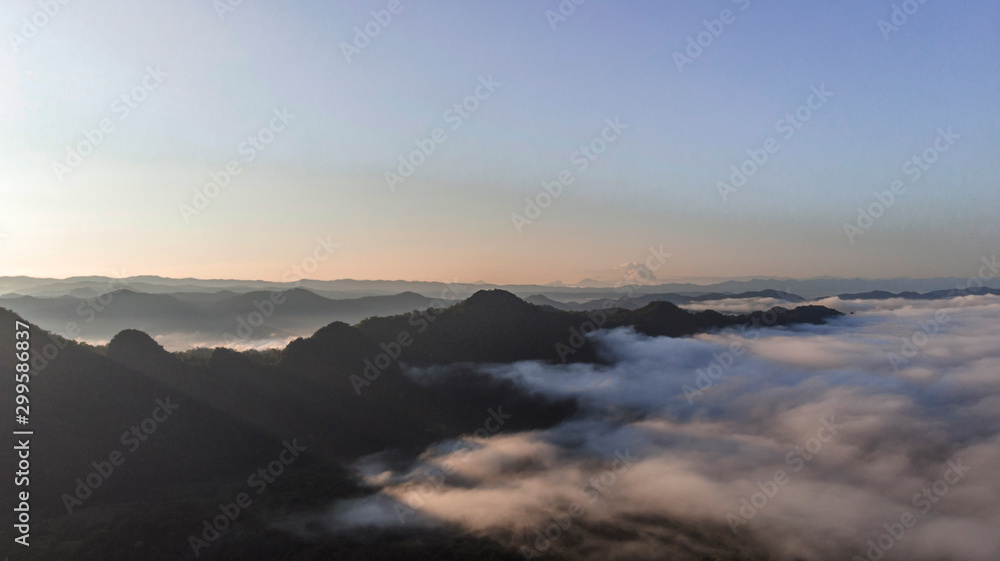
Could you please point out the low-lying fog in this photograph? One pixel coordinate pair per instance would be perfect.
(877, 435)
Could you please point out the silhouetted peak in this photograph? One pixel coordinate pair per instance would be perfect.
(335, 341)
(806, 314)
(137, 349)
(661, 307)
(493, 298)
(409, 294)
(336, 331)
(133, 340)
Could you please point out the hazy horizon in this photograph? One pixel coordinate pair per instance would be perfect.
(608, 281)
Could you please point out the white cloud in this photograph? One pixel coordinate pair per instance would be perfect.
(773, 409)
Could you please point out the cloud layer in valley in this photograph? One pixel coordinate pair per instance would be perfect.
(876, 435)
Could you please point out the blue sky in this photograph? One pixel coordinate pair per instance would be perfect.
(655, 185)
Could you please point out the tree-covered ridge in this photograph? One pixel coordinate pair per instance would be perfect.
(496, 326)
(193, 426)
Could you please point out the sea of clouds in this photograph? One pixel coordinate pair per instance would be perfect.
(875, 436)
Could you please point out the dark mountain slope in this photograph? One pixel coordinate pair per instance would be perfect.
(82, 403)
(489, 326)
(666, 319)
(236, 409)
(232, 412)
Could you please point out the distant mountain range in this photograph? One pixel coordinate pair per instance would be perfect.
(204, 317)
(934, 295)
(182, 320)
(585, 290)
(634, 302)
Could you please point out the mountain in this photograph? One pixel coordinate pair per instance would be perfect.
(497, 326)
(203, 298)
(302, 302)
(585, 289)
(769, 293)
(489, 326)
(101, 317)
(637, 301)
(666, 319)
(83, 403)
(206, 318)
(934, 295)
(185, 430)
(232, 403)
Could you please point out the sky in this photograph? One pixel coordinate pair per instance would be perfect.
(838, 97)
